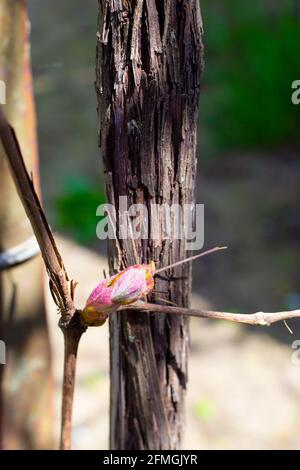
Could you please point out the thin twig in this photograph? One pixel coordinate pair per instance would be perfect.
(191, 258)
(60, 287)
(258, 318)
(29, 198)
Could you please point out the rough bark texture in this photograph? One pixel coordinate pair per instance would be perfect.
(26, 385)
(149, 62)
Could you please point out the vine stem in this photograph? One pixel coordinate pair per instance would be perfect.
(257, 318)
(61, 288)
(71, 342)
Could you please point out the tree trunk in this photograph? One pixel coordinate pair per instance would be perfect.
(26, 385)
(149, 62)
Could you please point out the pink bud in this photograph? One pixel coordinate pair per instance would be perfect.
(101, 295)
(129, 287)
(99, 304)
(132, 284)
(124, 288)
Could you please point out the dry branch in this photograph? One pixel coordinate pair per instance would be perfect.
(258, 318)
(25, 187)
(70, 321)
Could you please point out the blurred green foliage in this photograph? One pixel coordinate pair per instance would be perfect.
(205, 409)
(252, 58)
(76, 209)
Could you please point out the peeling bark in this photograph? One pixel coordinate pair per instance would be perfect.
(149, 62)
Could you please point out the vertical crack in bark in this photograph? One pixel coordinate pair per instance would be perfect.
(149, 62)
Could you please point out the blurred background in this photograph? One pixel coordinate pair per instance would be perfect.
(244, 389)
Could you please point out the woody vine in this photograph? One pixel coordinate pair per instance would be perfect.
(128, 287)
